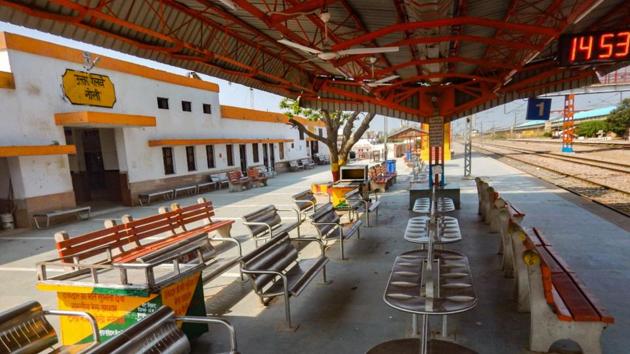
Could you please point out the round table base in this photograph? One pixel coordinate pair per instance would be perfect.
(412, 346)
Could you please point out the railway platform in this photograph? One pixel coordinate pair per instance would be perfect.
(349, 315)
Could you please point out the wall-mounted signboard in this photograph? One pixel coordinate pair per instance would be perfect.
(594, 47)
(436, 131)
(538, 109)
(84, 88)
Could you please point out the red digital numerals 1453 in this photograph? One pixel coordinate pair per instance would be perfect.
(600, 47)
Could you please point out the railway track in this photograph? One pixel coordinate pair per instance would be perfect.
(603, 164)
(617, 145)
(594, 186)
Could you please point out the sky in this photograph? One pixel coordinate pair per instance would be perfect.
(238, 95)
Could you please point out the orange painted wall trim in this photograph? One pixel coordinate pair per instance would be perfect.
(34, 46)
(6, 80)
(232, 112)
(86, 118)
(34, 150)
(178, 142)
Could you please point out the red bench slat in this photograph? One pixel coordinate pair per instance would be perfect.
(576, 302)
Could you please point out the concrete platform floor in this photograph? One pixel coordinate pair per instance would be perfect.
(349, 315)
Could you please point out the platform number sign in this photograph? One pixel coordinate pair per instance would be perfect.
(538, 109)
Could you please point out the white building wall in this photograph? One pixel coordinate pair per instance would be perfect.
(28, 119)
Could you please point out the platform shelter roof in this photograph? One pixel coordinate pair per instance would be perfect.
(406, 59)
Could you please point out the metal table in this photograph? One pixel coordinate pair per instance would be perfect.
(442, 286)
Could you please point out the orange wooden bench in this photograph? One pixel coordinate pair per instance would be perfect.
(560, 304)
(130, 240)
(236, 180)
(256, 176)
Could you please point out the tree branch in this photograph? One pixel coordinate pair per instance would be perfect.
(363, 127)
(304, 130)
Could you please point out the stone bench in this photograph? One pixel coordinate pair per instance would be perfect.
(561, 306)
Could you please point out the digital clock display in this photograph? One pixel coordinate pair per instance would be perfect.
(599, 47)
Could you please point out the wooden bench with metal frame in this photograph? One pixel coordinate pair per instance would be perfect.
(360, 206)
(130, 240)
(25, 329)
(158, 332)
(561, 306)
(328, 226)
(79, 211)
(275, 270)
(266, 223)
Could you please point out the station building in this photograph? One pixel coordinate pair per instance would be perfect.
(72, 134)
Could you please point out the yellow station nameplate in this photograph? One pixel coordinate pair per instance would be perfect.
(83, 88)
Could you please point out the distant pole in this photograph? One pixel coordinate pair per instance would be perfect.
(385, 140)
(568, 127)
(468, 148)
(513, 126)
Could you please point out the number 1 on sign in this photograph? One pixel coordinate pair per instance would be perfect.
(541, 109)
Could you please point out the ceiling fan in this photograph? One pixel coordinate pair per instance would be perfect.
(329, 55)
(382, 82)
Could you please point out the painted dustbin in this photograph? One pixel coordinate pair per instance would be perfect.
(119, 295)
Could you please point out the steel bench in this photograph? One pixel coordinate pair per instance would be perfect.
(158, 332)
(306, 164)
(295, 166)
(220, 179)
(328, 225)
(25, 329)
(275, 270)
(188, 190)
(359, 205)
(145, 198)
(305, 202)
(561, 306)
(236, 180)
(80, 212)
(266, 223)
(210, 185)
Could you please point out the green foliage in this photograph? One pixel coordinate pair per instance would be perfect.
(293, 109)
(619, 119)
(590, 129)
(547, 134)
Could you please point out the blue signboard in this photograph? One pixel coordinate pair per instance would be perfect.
(538, 109)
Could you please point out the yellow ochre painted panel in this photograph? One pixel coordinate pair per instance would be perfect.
(178, 142)
(447, 142)
(35, 150)
(55, 51)
(6, 80)
(239, 113)
(86, 118)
